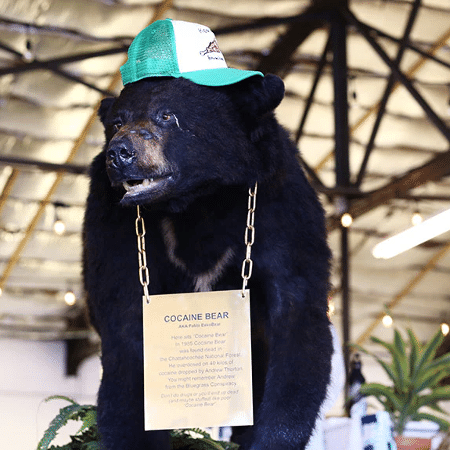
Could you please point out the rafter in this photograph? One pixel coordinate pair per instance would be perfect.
(55, 62)
(33, 28)
(42, 165)
(160, 11)
(387, 92)
(406, 82)
(413, 69)
(278, 60)
(435, 169)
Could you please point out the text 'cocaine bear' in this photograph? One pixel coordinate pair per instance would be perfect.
(186, 139)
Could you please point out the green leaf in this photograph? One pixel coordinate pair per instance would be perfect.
(378, 390)
(415, 351)
(442, 362)
(436, 395)
(387, 345)
(89, 418)
(430, 380)
(61, 397)
(399, 366)
(443, 424)
(401, 361)
(387, 368)
(58, 422)
(428, 352)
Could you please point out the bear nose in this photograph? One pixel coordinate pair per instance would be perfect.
(121, 154)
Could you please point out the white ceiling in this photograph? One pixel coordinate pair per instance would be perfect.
(48, 116)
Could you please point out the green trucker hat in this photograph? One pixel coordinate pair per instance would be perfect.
(174, 48)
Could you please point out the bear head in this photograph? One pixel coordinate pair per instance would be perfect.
(168, 138)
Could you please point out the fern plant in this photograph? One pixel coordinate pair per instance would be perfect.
(416, 376)
(88, 438)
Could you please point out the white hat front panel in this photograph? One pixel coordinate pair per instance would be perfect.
(196, 47)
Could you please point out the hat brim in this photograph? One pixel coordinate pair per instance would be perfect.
(219, 77)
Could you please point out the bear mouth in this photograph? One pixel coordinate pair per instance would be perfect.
(145, 188)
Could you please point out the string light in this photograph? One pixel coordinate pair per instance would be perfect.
(387, 321)
(346, 220)
(59, 227)
(445, 328)
(70, 298)
(416, 218)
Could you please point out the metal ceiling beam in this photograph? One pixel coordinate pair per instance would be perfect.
(434, 170)
(387, 92)
(312, 93)
(75, 79)
(410, 46)
(55, 62)
(410, 73)
(69, 33)
(278, 60)
(323, 60)
(268, 22)
(406, 82)
(338, 38)
(53, 66)
(42, 165)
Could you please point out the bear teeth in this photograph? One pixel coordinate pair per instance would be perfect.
(142, 184)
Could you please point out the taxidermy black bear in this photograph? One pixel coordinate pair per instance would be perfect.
(185, 140)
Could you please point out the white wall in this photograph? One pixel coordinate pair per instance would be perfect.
(29, 373)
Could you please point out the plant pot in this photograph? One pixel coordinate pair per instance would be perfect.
(412, 443)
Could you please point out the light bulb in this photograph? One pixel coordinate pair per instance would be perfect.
(346, 220)
(416, 218)
(59, 227)
(445, 328)
(387, 321)
(69, 298)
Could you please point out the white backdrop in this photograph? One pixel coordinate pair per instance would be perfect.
(29, 373)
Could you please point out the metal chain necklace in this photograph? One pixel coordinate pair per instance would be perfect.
(249, 239)
(142, 255)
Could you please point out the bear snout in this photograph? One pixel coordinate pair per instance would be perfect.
(120, 154)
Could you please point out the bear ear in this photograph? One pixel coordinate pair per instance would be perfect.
(258, 95)
(105, 106)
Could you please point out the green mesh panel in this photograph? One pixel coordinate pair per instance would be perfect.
(152, 53)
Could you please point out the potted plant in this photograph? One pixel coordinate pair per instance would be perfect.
(88, 438)
(416, 388)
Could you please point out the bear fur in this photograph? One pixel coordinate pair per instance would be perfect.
(203, 148)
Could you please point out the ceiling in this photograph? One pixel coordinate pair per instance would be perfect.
(58, 58)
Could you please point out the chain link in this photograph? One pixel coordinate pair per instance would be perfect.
(142, 255)
(249, 238)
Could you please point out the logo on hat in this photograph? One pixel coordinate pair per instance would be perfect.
(213, 47)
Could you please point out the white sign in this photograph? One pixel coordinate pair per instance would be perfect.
(197, 360)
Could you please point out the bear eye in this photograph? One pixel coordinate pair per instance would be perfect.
(117, 126)
(166, 116)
